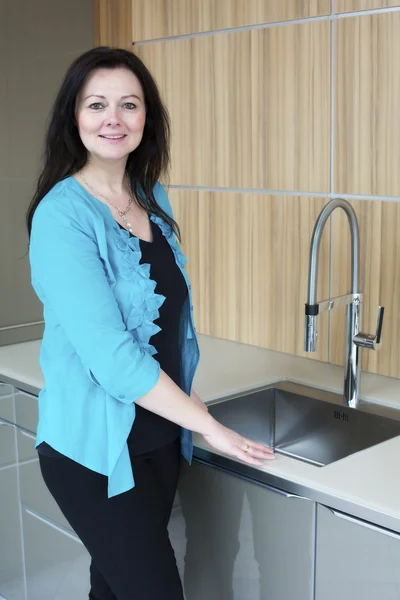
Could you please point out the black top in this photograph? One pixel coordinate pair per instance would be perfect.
(150, 431)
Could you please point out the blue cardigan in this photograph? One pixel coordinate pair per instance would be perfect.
(99, 312)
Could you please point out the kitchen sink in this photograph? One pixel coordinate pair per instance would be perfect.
(309, 424)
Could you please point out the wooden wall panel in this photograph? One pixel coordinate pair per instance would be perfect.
(249, 109)
(388, 358)
(248, 263)
(379, 281)
(367, 100)
(113, 23)
(345, 6)
(165, 18)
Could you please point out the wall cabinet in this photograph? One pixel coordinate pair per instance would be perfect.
(236, 540)
(355, 559)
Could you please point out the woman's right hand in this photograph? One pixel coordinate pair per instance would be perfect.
(229, 442)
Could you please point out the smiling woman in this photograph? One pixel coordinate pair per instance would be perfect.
(119, 351)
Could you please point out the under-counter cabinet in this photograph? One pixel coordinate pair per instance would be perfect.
(355, 560)
(237, 540)
(41, 558)
(56, 562)
(11, 553)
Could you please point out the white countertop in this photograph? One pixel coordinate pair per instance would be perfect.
(367, 479)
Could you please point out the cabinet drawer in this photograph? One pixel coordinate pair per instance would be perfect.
(8, 448)
(26, 410)
(235, 539)
(34, 493)
(355, 559)
(26, 445)
(11, 561)
(56, 562)
(6, 389)
(6, 402)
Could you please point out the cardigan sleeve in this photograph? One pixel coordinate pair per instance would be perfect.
(69, 278)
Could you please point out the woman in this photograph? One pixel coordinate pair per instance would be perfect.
(119, 349)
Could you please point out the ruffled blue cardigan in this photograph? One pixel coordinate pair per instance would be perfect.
(99, 311)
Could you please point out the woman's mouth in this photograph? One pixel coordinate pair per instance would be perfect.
(113, 138)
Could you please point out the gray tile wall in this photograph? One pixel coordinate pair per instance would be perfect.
(38, 41)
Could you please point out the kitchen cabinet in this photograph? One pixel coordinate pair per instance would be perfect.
(237, 540)
(26, 410)
(41, 558)
(33, 490)
(11, 553)
(56, 562)
(6, 402)
(355, 559)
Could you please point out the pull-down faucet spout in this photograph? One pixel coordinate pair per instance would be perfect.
(353, 300)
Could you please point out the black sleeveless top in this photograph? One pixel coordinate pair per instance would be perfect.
(150, 431)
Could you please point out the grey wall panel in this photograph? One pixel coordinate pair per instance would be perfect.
(38, 42)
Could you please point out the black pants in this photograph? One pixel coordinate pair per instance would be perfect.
(126, 536)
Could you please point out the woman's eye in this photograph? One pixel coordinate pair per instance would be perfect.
(96, 105)
(129, 105)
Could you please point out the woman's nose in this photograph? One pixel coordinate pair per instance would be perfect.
(112, 117)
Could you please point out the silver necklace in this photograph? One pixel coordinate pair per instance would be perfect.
(122, 213)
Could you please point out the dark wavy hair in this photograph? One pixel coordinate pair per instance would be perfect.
(65, 154)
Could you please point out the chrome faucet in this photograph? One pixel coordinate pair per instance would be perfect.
(353, 300)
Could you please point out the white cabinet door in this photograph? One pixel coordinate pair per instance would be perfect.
(6, 402)
(355, 561)
(11, 557)
(8, 454)
(33, 490)
(26, 410)
(236, 540)
(56, 562)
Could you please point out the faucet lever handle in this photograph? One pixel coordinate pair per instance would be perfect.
(379, 324)
(371, 341)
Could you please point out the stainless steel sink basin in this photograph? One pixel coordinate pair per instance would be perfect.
(306, 423)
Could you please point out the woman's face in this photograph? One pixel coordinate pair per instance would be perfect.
(111, 114)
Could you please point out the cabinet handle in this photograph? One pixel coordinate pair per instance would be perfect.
(51, 524)
(283, 493)
(287, 494)
(28, 435)
(7, 423)
(388, 532)
(19, 392)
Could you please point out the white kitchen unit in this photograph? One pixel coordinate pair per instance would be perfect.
(242, 541)
(11, 552)
(234, 539)
(41, 558)
(354, 559)
(56, 562)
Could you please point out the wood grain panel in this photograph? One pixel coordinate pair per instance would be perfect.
(248, 263)
(345, 6)
(165, 18)
(388, 357)
(379, 281)
(249, 109)
(367, 100)
(113, 23)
